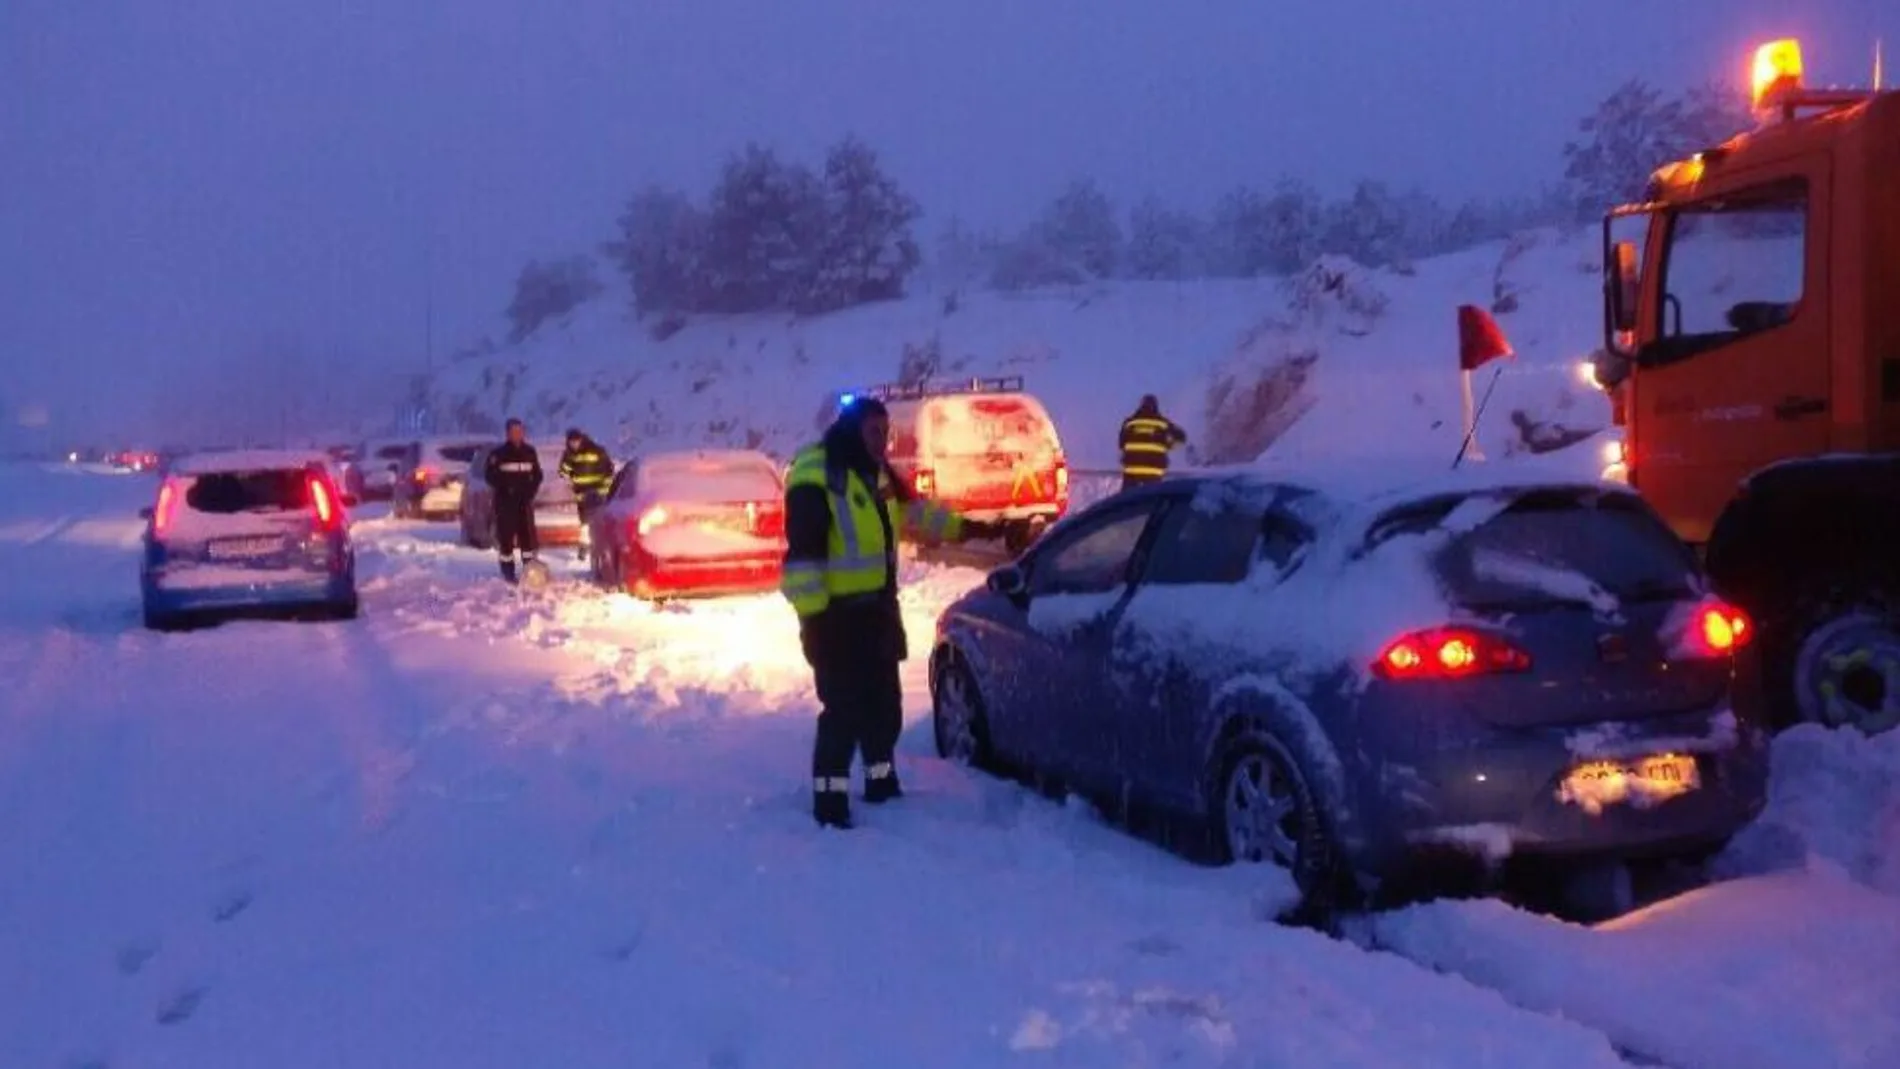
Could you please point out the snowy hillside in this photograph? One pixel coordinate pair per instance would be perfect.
(1322, 356)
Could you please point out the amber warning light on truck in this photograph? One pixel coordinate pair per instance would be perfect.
(1776, 73)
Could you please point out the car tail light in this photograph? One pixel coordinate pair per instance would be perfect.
(423, 475)
(323, 502)
(167, 510)
(768, 519)
(1718, 629)
(924, 483)
(652, 518)
(1062, 478)
(1449, 653)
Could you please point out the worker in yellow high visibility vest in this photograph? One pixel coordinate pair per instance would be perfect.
(1146, 438)
(844, 511)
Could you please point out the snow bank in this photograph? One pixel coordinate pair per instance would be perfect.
(1835, 796)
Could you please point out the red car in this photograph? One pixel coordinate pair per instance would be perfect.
(692, 524)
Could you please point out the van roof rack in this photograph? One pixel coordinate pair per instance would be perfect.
(898, 391)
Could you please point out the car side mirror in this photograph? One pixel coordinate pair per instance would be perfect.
(1008, 581)
(145, 513)
(1623, 283)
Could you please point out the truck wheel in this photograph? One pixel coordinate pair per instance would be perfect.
(1840, 665)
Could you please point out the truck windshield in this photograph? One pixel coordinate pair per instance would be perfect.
(1734, 264)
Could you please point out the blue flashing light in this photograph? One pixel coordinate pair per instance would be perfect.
(845, 399)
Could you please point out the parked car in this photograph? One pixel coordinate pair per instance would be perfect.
(692, 524)
(557, 517)
(371, 475)
(247, 530)
(983, 447)
(431, 475)
(1354, 680)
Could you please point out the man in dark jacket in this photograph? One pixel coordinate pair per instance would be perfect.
(588, 471)
(844, 510)
(1145, 440)
(513, 472)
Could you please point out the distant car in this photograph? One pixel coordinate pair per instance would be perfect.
(692, 524)
(431, 476)
(371, 474)
(557, 517)
(245, 531)
(1353, 683)
(983, 447)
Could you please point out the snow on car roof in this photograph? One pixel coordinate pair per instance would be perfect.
(1368, 484)
(246, 460)
(709, 475)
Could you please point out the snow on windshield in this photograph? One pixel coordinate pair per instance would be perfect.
(710, 477)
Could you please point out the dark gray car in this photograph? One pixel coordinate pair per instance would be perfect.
(1346, 676)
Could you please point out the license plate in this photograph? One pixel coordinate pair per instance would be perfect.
(1641, 782)
(233, 548)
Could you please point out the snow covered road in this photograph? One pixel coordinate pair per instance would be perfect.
(474, 829)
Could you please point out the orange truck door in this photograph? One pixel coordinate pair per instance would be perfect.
(1737, 376)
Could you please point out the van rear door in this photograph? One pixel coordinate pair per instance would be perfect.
(990, 451)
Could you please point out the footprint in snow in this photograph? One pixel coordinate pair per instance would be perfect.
(230, 905)
(180, 1006)
(133, 957)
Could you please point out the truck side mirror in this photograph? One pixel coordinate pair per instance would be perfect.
(1623, 283)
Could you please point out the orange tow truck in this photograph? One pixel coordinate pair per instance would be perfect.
(1752, 354)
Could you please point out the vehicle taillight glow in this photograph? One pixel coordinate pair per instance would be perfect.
(1062, 478)
(652, 518)
(423, 475)
(1449, 653)
(924, 482)
(324, 503)
(167, 509)
(1719, 629)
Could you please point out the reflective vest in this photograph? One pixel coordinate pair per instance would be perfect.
(1145, 441)
(858, 560)
(586, 469)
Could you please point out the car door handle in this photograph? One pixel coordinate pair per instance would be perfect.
(1800, 407)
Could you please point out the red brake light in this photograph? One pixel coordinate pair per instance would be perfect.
(1448, 653)
(167, 509)
(1062, 478)
(423, 475)
(652, 518)
(1719, 629)
(329, 511)
(924, 482)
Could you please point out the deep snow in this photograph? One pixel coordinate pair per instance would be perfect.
(477, 829)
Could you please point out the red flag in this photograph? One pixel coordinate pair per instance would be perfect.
(1480, 340)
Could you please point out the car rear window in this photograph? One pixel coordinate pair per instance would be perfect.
(228, 493)
(461, 454)
(710, 479)
(1556, 546)
(392, 452)
(981, 425)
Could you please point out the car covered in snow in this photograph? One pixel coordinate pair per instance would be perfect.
(702, 523)
(431, 476)
(1358, 676)
(371, 473)
(984, 447)
(557, 517)
(247, 530)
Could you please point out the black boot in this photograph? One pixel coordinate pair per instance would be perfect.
(880, 783)
(831, 806)
(508, 571)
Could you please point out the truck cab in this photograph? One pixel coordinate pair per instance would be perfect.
(1752, 351)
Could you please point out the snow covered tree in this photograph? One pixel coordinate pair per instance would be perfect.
(765, 231)
(1636, 130)
(1081, 226)
(544, 291)
(867, 248)
(1163, 243)
(662, 251)
(1265, 234)
(1032, 261)
(1368, 226)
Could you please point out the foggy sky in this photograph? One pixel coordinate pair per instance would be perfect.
(190, 190)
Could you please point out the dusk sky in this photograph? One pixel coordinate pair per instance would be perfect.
(196, 187)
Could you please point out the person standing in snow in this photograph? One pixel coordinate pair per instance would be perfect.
(844, 510)
(1146, 438)
(513, 472)
(588, 471)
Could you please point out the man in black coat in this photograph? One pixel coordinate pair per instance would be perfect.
(513, 472)
(1146, 438)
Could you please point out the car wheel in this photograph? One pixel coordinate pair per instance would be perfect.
(1262, 810)
(1841, 666)
(958, 721)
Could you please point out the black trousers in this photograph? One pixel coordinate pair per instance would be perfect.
(863, 711)
(514, 528)
(1131, 481)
